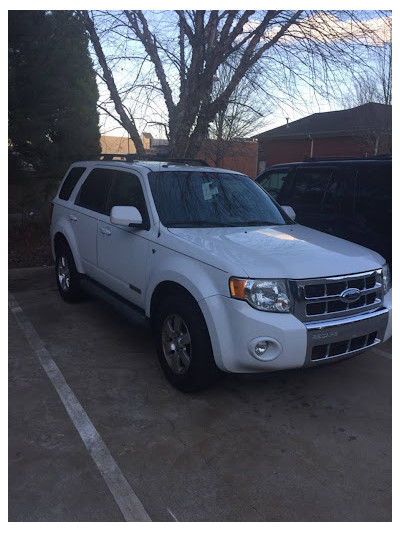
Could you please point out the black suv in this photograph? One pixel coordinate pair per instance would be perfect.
(349, 198)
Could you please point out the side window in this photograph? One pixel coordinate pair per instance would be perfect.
(273, 180)
(314, 187)
(127, 190)
(373, 198)
(94, 191)
(70, 181)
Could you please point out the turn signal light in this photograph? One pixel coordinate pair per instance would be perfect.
(237, 287)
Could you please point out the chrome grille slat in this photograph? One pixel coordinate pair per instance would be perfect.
(368, 341)
(319, 298)
(376, 288)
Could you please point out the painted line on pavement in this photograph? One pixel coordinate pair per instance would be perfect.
(126, 499)
(172, 514)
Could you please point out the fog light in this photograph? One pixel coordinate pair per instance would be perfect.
(261, 347)
(264, 348)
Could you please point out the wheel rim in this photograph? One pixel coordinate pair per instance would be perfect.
(176, 344)
(64, 276)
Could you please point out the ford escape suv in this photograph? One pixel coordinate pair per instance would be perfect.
(229, 281)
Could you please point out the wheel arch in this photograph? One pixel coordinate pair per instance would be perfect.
(61, 238)
(165, 288)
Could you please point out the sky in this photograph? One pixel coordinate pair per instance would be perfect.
(311, 103)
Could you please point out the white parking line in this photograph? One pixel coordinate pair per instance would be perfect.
(172, 514)
(382, 353)
(126, 499)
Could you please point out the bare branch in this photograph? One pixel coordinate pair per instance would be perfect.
(128, 124)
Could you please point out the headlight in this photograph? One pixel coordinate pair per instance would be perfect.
(263, 294)
(386, 279)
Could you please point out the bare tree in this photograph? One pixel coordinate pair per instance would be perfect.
(180, 53)
(246, 111)
(373, 86)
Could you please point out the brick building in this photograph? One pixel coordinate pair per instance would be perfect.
(357, 132)
(239, 155)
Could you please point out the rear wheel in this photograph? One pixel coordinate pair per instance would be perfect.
(183, 344)
(68, 279)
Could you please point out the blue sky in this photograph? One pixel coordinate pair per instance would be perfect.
(307, 102)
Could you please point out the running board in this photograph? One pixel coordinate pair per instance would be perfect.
(131, 312)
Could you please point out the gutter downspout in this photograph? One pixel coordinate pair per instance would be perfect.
(312, 145)
(376, 144)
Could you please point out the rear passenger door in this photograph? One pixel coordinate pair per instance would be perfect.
(90, 203)
(372, 225)
(122, 251)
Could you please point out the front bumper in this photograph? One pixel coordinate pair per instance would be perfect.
(344, 338)
(235, 328)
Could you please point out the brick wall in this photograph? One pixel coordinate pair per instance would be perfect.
(290, 150)
(236, 155)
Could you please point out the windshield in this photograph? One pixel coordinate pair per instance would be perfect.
(212, 199)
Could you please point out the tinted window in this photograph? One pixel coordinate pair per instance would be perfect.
(312, 185)
(94, 191)
(127, 190)
(212, 199)
(70, 181)
(373, 199)
(273, 180)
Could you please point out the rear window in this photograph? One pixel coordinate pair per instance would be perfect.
(70, 181)
(94, 191)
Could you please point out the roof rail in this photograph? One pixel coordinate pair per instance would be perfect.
(347, 158)
(131, 158)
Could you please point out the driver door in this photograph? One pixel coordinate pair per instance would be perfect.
(122, 252)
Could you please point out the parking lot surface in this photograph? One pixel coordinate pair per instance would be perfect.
(303, 445)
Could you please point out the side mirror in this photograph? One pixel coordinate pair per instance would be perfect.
(125, 215)
(289, 211)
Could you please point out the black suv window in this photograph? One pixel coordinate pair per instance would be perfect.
(70, 181)
(373, 198)
(313, 186)
(127, 190)
(94, 191)
(273, 180)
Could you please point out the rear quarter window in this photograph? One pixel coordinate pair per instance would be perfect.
(70, 181)
(94, 191)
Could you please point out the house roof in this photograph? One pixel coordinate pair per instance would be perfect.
(366, 117)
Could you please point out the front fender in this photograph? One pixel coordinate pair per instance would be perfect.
(199, 279)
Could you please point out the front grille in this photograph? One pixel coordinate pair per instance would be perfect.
(321, 298)
(342, 348)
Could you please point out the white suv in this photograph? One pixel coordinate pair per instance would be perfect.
(227, 278)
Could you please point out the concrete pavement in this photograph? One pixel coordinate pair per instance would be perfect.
(304, 445)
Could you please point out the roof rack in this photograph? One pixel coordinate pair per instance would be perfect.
(131, 158)
(347, 158)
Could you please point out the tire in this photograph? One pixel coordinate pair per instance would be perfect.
(183, 344)
(67, 277)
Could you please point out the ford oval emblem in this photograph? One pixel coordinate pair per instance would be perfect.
(350, 296)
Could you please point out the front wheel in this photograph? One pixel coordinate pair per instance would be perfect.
(183, 344)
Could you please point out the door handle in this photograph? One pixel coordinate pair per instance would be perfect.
(73, 218)
(105, 231)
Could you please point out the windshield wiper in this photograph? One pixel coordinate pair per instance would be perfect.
(197, 223)
(261, 223)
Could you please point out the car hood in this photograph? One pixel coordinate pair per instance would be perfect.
(290, 251)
